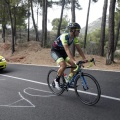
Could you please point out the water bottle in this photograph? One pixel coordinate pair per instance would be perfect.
(70, 76)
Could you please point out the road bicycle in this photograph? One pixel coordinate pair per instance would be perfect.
(85, 85)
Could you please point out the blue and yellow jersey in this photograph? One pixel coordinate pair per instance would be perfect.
(64, 39)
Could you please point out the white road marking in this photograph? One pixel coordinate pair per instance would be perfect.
(24, 79)
(104, 96)
(13, 104)
(25, 91)
(109, 97)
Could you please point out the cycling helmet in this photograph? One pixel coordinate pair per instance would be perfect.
(74, 26)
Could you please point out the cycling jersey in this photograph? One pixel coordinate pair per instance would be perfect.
(64, 39)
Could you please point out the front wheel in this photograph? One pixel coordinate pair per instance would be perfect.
(87, 89)
(50, 80)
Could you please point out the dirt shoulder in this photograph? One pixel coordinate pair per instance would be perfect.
(32, 53)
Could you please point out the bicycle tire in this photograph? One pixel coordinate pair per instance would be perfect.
(92, 95)
(50, 81)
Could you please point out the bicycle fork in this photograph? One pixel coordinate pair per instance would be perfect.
(84, 83)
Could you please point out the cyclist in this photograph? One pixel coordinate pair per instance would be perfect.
(61, 53)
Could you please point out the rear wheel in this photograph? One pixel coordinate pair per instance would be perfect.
(50, 80)
(87, 89)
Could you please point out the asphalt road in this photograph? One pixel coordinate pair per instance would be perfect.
(24, 95)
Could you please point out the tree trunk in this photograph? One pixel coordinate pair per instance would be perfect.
(35, 27)
(3, 21)
(61, 16)
(86, 28)
(44, 23)
(3, 32)
(103, 25)
(110, 51)
(28, 39)
(12, 25)
(73, 20)
(43, 20)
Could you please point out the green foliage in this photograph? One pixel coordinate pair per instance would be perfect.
(56, 21)
(67, 4)
(118, 45)
(117, 54)
(94, 0)
(3, 13)
(21, 15)
(81, 40)
(93, 41)
(51, 38)
(92, 48)
(94, 36)
(18, 10)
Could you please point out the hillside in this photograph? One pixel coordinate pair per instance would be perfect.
(32, 53)
(94, 25)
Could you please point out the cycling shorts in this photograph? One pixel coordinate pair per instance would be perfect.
(59, 56)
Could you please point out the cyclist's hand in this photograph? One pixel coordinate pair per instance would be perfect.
(76, 69)
(74, 62)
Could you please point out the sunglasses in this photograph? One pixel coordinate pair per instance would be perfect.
(78, 30)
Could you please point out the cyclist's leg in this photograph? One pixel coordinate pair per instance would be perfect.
(58, 57)
(60, 71)
(61, 68)
(71, 63)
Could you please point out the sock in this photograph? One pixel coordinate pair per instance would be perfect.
(58, 78)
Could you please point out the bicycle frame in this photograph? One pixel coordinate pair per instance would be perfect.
(72, 80)
(83, 81)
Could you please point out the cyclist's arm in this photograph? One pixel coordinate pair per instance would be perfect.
(66, 47)
(76, 42)
(80, 51)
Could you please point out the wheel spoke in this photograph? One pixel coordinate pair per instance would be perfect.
(50, 80)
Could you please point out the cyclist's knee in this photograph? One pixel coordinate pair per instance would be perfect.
(63, 65)
(71, 63)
